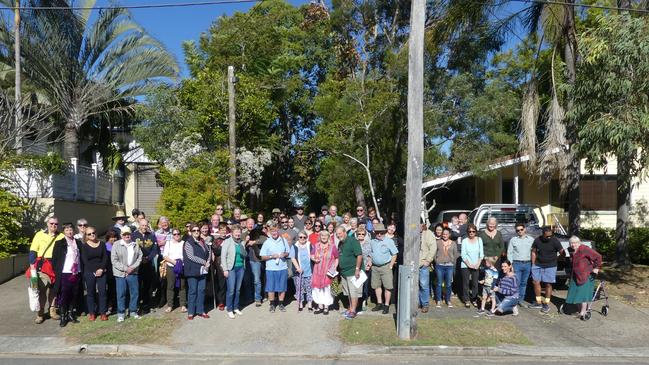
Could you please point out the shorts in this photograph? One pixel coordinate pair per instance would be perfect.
(276, 281)
(350, 289)
(546, 275)
(487, 291)
(382, 275)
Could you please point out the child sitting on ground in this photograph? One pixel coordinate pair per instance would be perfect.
(490, 279)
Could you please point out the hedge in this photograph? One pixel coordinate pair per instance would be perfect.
(605, 243)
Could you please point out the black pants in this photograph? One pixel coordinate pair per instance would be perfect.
(220, 285)
(95, 287)
(147, 279)
(172, 291)
(470, 284)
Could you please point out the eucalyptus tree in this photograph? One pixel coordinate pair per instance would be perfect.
(86, 69)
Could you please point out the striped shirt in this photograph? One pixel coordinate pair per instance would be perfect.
(508, 286)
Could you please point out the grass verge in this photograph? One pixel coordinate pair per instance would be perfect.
(148, 329)
(433, 332)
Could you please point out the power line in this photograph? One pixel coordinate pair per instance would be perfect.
(594, 6)
(140, 6)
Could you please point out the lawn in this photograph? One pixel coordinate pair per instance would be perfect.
(433, 332)
(148, 329)
(630, 286)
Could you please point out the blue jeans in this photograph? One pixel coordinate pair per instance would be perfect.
(129, 283)
(505, 304)
(424, 286)
(235, 276)
(195, 295)
(444, 275)
(255, 267)
(522, 270)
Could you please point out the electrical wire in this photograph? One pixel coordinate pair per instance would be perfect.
(593, 6)
(136, 6)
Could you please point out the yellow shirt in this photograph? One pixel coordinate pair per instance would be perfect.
(41, 241)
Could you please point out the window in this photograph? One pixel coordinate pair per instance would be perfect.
(598, 192)
(508, 191)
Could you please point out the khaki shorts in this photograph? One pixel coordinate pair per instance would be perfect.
(350, 289)
(382, 275)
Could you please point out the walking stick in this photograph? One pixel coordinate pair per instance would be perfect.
(212, 268)
(299, 292)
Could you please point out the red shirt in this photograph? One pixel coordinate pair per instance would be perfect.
(584, 260)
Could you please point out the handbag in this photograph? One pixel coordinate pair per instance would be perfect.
(32, 294)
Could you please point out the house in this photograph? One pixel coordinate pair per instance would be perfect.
(142, 189)
(509, 180)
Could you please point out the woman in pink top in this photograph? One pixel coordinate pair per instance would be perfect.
(324, 255)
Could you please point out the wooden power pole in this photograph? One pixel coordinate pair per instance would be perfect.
(415, 160)
(232, 186)
(18, 82)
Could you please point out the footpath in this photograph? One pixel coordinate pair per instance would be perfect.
(623, 333)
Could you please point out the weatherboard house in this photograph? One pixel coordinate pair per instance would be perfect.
(509, 181)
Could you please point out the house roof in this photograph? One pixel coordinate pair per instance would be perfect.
(452, 176)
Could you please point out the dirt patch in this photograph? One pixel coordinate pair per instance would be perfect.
(630, 286)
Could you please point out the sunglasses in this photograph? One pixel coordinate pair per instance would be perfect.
(82, 225)
(360, 210)
(284, 221)
(302, 237)
(219, 208)
(471, 231)
(361, 234)
(196, 230)
(53, 224)
(176, 234)
(91, 234)
(520, 230)
(317, 225)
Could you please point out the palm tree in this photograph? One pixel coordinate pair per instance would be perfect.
(556, 25)
(86, 70)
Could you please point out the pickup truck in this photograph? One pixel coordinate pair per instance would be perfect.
(532, 216)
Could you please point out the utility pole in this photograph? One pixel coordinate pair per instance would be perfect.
(232, 186)
(407, 325)
(17, 87)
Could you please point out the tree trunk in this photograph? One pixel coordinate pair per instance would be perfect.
(17, 81)
(360, 196)
(624, 189)
(70, 141)
(574, 166)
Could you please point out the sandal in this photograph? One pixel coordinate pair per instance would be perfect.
(183, 309)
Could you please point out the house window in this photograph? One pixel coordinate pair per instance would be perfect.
(598, 192)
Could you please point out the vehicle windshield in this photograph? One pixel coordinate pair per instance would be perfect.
(508, 215)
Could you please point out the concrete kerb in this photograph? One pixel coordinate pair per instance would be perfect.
(41, 346)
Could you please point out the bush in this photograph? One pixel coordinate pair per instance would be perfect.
(605, 243)
(190, 195)
(12, 210)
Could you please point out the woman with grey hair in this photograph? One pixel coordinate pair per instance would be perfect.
(353, 226)
(586, 263)
(82, 225)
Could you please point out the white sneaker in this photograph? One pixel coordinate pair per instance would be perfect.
(120, 318)
(137, 316)
(236, 311)
(230, 315)
(515, 310)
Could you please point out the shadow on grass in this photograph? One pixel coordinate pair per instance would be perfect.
(148, 329)
(381, 331)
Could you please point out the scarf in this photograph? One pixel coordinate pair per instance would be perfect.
(72, 245)
(445, 247)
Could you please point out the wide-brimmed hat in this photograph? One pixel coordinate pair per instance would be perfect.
(324, 207)
(276, 210)
(379, 227)
(125, 230)
(120, 215)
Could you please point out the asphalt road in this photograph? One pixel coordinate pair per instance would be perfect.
(257, 360)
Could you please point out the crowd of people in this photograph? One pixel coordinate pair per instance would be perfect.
(323, 261)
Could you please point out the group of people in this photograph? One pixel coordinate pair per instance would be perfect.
(495, 272)
(320, 260)
(135, 269)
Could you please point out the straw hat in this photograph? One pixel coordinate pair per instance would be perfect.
(120, 215)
